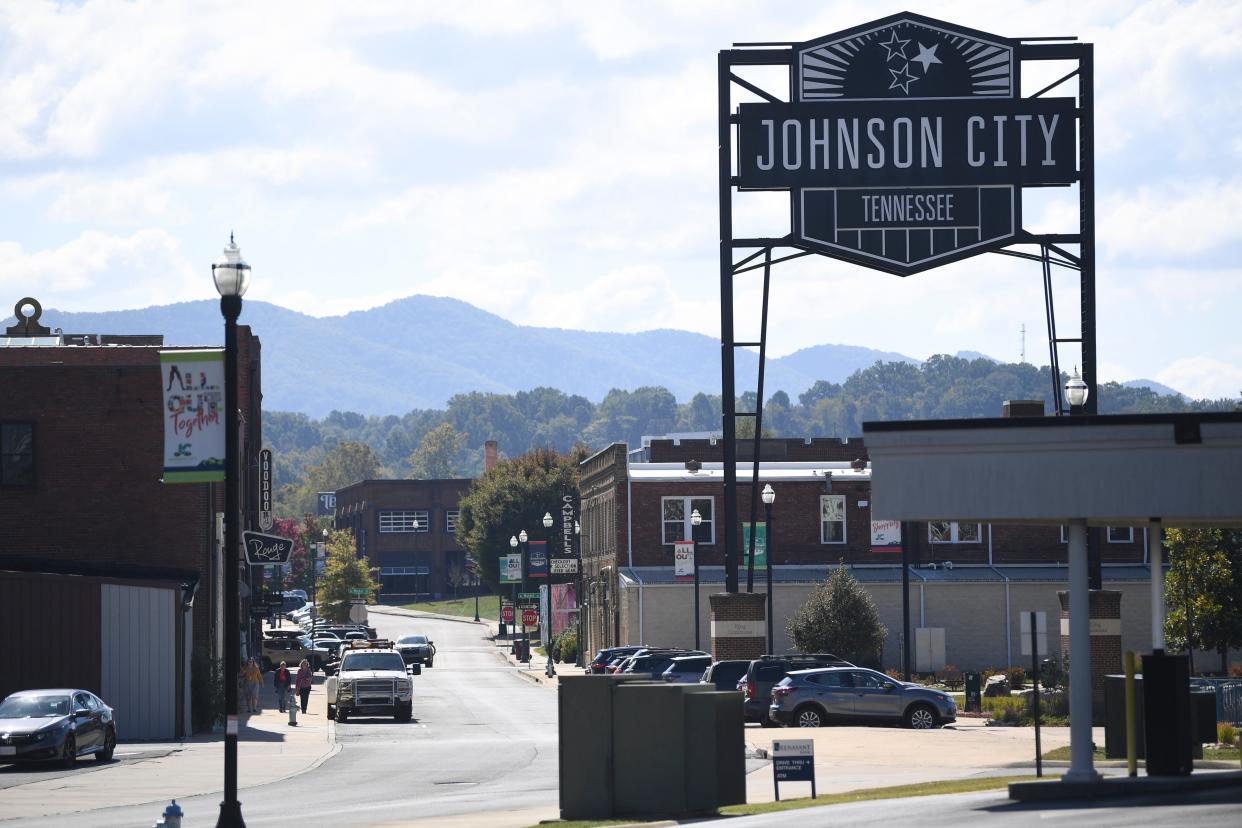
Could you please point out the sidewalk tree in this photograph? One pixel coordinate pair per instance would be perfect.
(456, 577)
(839, 617)
(344, 576)
(511, 497)
(1203, 589)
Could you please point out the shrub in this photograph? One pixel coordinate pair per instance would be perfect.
(1226, 733)
(567, 647)
(1235, 670)
(952, 677)
(840, 617)
(894, 673)
(1017, 677)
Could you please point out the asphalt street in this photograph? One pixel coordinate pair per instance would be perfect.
(482, 739)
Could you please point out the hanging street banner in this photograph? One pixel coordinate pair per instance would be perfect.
(266, 549)
(325, 506)
(511, 569)
(537, 559)
(265, 489)
(761, 545)
(683, 560)
(906, 144)
(886, 536)
(192, 386)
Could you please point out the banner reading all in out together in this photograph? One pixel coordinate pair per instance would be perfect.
(192, 385)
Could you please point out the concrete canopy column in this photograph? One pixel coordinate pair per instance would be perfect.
(1155, 548)
(738, 624)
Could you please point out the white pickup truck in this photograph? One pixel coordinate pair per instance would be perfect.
(370, 681)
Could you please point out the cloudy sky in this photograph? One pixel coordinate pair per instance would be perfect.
(554, 163)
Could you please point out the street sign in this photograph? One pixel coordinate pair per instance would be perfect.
(530, 617)
(506, 613)
(906, 143)
(359, 591)
(275, 600)
(528, 596)
(259, 611)
(537, 559)
(793, 760)
(510, 569)
(564, 566)
(1041, 631)
(569, 526)
(683, 560)
(265, 489)
(266, 549)
(761, 545)
(358, 613)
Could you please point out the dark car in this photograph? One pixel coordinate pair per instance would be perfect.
(416, 649)
(610, 654)
(654, 663)
(725, 674)
(814, 698)
(57, 726)
(764, 673)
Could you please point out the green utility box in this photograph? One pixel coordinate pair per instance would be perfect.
(637, 747)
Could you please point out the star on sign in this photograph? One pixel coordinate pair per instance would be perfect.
(902, 78)
(926, 56)
(895, 46)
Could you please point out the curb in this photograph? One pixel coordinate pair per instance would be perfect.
(384, 609)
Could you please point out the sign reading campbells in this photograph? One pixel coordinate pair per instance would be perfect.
(906, 144)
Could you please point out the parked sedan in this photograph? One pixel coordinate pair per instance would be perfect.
(687, 669)
(55, 725)
(813, 698)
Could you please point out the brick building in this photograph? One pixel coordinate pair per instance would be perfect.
(971, 580)
(85, 517)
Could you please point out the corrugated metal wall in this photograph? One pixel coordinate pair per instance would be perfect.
(138, 646)
(47, 629)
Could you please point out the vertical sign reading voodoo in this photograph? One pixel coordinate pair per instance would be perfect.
(192, 386)
(906, 144)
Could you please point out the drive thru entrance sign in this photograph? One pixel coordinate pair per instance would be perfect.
(793, 760)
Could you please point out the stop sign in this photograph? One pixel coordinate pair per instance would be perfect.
(530, 617)
(506, 613)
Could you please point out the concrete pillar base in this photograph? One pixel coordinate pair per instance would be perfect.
(1105, 615)
(738, 624)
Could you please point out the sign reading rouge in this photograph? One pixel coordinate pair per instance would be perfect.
(906, 144)
(266, 549)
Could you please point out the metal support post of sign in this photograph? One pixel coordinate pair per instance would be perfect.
(906, 541)
(728, 399)
(757, 444)
(1039, 760)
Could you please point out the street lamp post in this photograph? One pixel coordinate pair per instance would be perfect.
(523, 537)
(513, 544)
(547, 632)
(696, 520)
(578, 661)
(474, 576)
(769, 497)
(1076, 394)
(232, 276)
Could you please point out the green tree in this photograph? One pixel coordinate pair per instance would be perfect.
(1204, 591)
(839, 617)
(436, 455)
(345, 575)
(511, 497)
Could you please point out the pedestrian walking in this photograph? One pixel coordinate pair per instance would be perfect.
(304, 682)
(282, 680)
(252, 679)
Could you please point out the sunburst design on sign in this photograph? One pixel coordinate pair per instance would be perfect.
(906, 58)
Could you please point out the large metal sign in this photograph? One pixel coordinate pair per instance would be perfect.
(906, 144)
(265, 489)
(266, 549)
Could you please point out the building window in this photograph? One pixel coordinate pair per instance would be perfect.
(677, 526)
(403, 520)
(16, 454)
(832, 518)
(1121, 534)
(944, 531)
(450, 520)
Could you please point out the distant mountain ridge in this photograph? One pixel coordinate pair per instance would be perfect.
(419, 351)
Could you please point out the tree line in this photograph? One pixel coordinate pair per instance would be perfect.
(345, 447)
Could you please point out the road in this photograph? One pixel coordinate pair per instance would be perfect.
(482, 740)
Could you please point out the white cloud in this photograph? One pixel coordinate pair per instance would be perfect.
(1203, 377)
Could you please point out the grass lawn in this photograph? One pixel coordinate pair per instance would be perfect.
(489, 607)
(1209, 754)
(898, 791)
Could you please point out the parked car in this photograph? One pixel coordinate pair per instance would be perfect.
(726, 674)
(291, 650)
(609, 654)
(416, 649)
(687, 669)
(654, 663)
(814, 698)
(57, 726)
(763, 674)
(371, 681)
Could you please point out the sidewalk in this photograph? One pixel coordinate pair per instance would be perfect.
(268, 750)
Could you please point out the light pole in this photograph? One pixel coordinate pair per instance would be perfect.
(769, 497)
(513, 544)
(578, 661)
(547, 632)
(696, 520)
(320, 554)
(1076, 393)
(523, 537)
(232, 277)
(474, 576)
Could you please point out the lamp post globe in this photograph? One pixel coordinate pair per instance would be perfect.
(513, 542)
(1076, 392)
(547, 520)
(231, 275)
(522, 536)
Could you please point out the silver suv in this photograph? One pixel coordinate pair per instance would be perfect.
(813, 698)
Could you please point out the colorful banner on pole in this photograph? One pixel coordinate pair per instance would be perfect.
(510, 569)
(537, 559)
(761, 545)
(683, 560)
(564, 607)
(886, 536)
(192, 385)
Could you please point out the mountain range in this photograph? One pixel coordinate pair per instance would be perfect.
(419, 351)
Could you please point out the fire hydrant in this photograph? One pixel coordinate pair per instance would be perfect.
(293, 708)
(172, 816)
